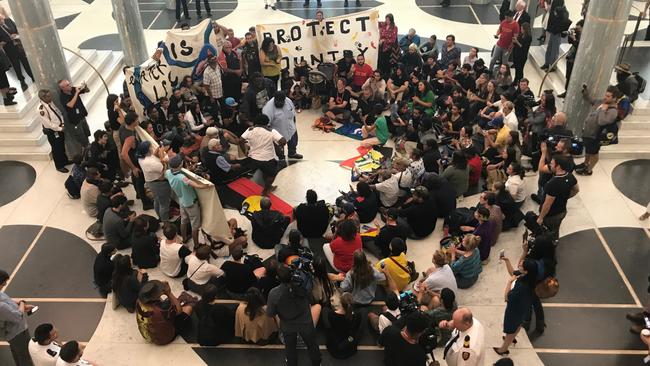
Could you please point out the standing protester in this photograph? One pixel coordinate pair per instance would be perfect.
(467, 339)
(558, 22)
(13, 47)
(270, 58)
(520, 52)
(388, 47)
(185, 11)
(153, 169)
(557, 192)
(627, 82)
(282, 117)
(184, 188)
(294, 312)
(52, 121)
(76, 126)
(507, 32)
(13, 324)
(250, 55)
(231, 66)
(212, 82)
(262, 140)
(130, 139)
(574, 40)
(521, 15)
(207, 8)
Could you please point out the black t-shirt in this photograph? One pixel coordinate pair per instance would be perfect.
(560, 188)
(239, 276)
(339, 98)
(145, 251)
(466, 82)
(78, 111)
(421, 217)
(430, 159)
(366, 208)
(387, 233)
(312, 220)
(112, 119)
(399, 352)
(343, 67)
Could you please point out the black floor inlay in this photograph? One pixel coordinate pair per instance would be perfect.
(265, 357)
(586, 273)
(155, 15)
(14, 241)
(563, 359)
(631, 178)
(461, 11)
(16, 178)
(106, 42)
(631, 247)
(588, 328)
(63, 22)
(57, 258)
(74, 320)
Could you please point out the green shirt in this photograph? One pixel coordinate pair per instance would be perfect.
(185, 192)
(381, 129)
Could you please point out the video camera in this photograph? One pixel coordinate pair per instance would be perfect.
(408, 304)
(577, 146)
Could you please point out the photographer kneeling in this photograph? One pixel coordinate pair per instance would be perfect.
(404, 343)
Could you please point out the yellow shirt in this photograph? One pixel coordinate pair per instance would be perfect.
(502, 136)
(399, 275)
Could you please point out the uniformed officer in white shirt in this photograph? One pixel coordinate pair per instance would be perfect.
(43, 347)
(465, 347)
(51, 119)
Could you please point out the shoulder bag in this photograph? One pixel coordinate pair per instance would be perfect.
(413, 274)
(186, 281)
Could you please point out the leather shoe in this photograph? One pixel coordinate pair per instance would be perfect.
(295, 156)
(63, 170)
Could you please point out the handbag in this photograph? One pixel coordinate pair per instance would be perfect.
(547, 288)
(413, 273)
(186, 281)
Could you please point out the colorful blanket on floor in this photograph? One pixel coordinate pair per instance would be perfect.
(350, 130)
(247, 188)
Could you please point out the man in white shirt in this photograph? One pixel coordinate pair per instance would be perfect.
(261, 141)
(70, 355)
(43, 347)
(200, 271)
(391, 313)
(153, 169)
(282, 118)
(388, 188)
(51, 119)
(467, 339)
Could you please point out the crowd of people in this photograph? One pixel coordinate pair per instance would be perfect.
(459, 127)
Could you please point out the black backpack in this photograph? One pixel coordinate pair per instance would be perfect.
(641, 81)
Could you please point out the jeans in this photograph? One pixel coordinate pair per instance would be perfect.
(198, 6)
(162, 195)
(552, 48)
(291, 342)
(553, 224)
(19, 352)
(500, 54)
(292, 145)
(178, 9)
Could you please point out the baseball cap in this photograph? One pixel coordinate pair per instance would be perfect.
(230, 102)
(496, 122)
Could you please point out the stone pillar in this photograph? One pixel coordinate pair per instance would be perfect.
(129, 27)
(600, 41)
(41, 42)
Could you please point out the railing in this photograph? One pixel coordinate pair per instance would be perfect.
(91, 66)
(549, 70)
(628, 41)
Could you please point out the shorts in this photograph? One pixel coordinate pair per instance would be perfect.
(592, 146)
(269, 168)
(192, 214)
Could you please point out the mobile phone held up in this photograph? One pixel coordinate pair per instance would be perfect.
(32, 310)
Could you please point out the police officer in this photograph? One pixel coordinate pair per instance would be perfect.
(465, 347)
(51, 119)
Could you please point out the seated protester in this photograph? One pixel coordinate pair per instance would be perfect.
(399, 119)
(420, 213)
(301, 94)
(195, 119)
(466, 263)
(216, 321)
(511, 209)
(362, 280)
(339, 252)
(220, 169)
(390, 313)
(410, 38)
(76, 178)
(342, 326)
(416, 166)
(118, 223)
(442, 192)
(365, 103)
(457, 173)
(489, 201)
(159, 320)
(431, 156)
(312, 217)
(200, 271)
(405, 178)
(396, 265)
(439, 276)
(397, 84)
(251, 322)
(497, 136)
(475, 166)
(44, 348)
(239, 275)
(377, 132)
(172, 253)
(145, 250)
(513, 150)
(103, 269)
(455, 123)
(97, 156)
(443, 84)
(394, 228)
(377, 87)
(297, 245)
(366, 203)
(89, 191)
(324, 286)
(411, 59)
(484, 230)
(430, 69)
(70, 355)
(387, 188)
(403, 344)
(268, 225)
(338, 107)
(430, 49)
(359, 73)
(464, 78)
(106, 191)
(127, 282)
(270, 279)
(442, 308)
(423, 99)
(344, 65)
(459, 98)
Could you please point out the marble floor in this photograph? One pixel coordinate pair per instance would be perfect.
(603, 251)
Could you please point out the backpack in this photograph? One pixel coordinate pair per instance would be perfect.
(301, 284)
(608, 134)
(641, 81)
(624, 108)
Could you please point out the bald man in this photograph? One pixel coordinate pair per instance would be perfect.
(558, 126)
(465, 348)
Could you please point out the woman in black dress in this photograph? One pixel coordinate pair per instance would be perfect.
(145, 246)
(519, 297)
(520, 52)
(127, 282)
(342, 329)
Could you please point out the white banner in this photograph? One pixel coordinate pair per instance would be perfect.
(185, 52)
(325, 41)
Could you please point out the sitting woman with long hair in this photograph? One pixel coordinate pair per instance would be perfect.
(216, 321)
(362, 279)
(342, 328)
(127, 282)
(251, 322)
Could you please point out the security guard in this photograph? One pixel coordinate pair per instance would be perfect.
(465, 347)
(51, 119)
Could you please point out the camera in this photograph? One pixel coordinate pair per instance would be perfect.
(576, 148)
(408, 303)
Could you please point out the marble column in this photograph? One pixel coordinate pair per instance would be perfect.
(41, 42)
(130, 30)
(600, 41)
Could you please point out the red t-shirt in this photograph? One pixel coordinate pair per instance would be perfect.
(361, 74)
(508, 31)
(475, 167)
(344, 251)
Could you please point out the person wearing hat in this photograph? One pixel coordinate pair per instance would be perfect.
(282, 118)
(212, 82)
(221, 168)
(344, 65)
(157, 318)
(627, 82)
(184, 188)
(261, 141)
(152, 164)
(420, 213)
(497, 135)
